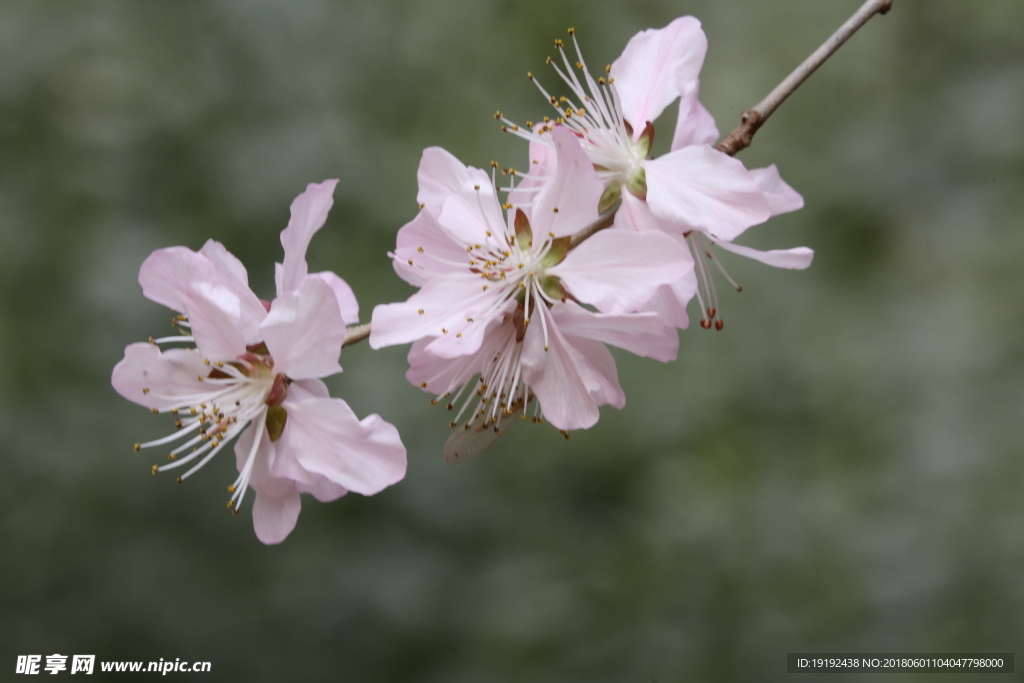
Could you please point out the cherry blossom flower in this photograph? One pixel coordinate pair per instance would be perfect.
(500, 294)
(694, 191)
(254, 374)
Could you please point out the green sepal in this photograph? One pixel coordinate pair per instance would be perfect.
(553, 288)
(646, 140)
(524, 234)
(637, 185)
(556, 254)
(276, 419)
(610, 196)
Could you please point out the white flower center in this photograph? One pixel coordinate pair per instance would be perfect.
(237, 396)
(594, 113)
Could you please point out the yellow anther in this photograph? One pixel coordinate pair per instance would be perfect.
(137, 447)
(410, 262)
(419, 249)
(171, 456)
(558, 43)
(206, 361)
(572, 31)
(155, 411)
(145, 390)
(423, 385)
(497, 115)
(529, 74)
(231, 489)
(422, 206)
(420, 311)
(155, 469)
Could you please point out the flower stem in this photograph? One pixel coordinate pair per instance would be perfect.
(752, 119)
(356, 333)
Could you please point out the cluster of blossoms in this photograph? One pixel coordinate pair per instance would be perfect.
(518, 296)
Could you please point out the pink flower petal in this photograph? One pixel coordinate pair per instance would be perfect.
(655, 68)
(670, 301)
(430, 248)
(325, 438)
(276, 508)
(189, 282)
(234, 276)
(705, 189)
(797, 258)
(274, 518)
(164, 376)
(695, 125)
(558, 374)
(438, 374)
(262, 479)
(215, 314)
(461, 196)
(304, 331)
(308, 388)
(781, 197)
(167, 275)
(619, 271)
(643, 334)
(603, 377)
(448, 303)
(347, 304)
(543, 162)
(635, 215)
(569, 201)
(323, 490)
(308, 214)
(468, 217)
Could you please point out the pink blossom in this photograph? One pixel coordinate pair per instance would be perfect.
(258, 363)
(694, 191)
(499, 292)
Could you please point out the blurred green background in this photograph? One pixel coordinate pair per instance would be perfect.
(839, 469)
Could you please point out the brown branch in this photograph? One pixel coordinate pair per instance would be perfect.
(601, 223)
(752, 119)
(356, 334)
